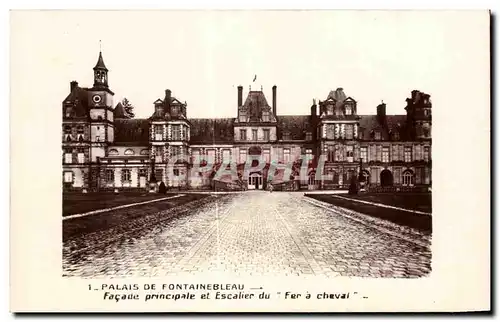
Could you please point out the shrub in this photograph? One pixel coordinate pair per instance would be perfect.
(353, 187)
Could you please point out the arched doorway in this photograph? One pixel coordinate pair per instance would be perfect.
(408, 178)
(255, 181)
(386, 179)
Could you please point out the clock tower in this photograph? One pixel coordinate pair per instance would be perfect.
(100, 101)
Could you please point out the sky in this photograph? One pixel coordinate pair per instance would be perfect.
(202, 56)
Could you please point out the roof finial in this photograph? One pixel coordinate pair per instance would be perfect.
(382, 101)
(100, 48)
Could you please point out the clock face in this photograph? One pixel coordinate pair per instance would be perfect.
(96, 98)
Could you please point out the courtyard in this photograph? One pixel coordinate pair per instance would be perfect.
(255, 233)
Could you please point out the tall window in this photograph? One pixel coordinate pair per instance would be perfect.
(375, 172)
(158, 154)
(110, 175)
(348, 110)
(158, 132)
(407, 153)
(267, 135)
(419, 172)
(309, 154)
(364, 154)
(176, 132)
(349, 131)
(243, 156)
(286, 155)
(331, 153)
(407, 178)
(418, 152)
(308, 136)
(243, 134)
(395, 153)
(68, 157)
(175, 150)
(267, 155)
(379, 153)
(125, 175)
(243, 116)
(211, 155)
(427, 153)
(373, 150)
(81, 156)
(254, 134)
(226, 155)
(397, 176)
(385, 154)
(350, 153)
(159, 174)
(265, 117)
(68, 176)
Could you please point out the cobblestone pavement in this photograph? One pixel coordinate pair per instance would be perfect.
(253, 233)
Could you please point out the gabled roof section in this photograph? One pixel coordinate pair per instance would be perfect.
(120, 112)
(213, 131)
(256, 99)
(132, 131)
(369, 124)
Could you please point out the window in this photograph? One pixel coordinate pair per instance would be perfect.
(226, 155)
(125, 175)
(339, 156)
(385, 154)
(308, 136)
(309, 153)
(395, 136)
(243, 116)
(348, 110)
(144, 152)
(397, 175)
(286, 135)
(373, 151)
(350, 153)
(243, 134)
(129, 152)
(211, 155)
(379, 153)
(81, 157)
(79, 129)
(254, 135)
(267, 155)
(158, 132)
(176, 172)
(427, 154)
(243, 156)
(175, 150)
(407, 153)
(395, 153)
(68, 176)
(418, 152)
(143, 172)
(68, 157)
(375, 172)
(195, 156)
(67, 129)
(267, 136)
(286, 155)
(69, 111)
(349, 131)
(110, 175)
(158, 154)
(418, 175)
(176, 132)
(331, 153)
(407, 178)
(113, 152)
(265, 117)
(378, 135)
(364, 154)
(159, 174)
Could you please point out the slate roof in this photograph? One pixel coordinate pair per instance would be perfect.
(296, 125)
(100, 63)
(78, 98)
(132, 131)
(218, 130)
(393, 124)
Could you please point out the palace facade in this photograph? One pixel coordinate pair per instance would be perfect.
(103, 148)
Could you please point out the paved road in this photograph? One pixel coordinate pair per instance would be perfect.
(254, 233)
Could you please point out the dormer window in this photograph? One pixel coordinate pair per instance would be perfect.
(395, 135)
(265, 117)
(378, 135)
(286, 136)
(243, 116)
(69, 111)
(348, 110)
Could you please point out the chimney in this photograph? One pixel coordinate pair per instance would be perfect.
(168, 99)
(314, 119)
(240, 96)
(73, 85)
(381, 113)
(274, 100)
(314, 109)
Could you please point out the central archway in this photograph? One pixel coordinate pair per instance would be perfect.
(386, 179)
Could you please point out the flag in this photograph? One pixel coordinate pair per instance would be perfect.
(254, 78)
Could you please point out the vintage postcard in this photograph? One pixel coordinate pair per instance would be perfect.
(250, 161)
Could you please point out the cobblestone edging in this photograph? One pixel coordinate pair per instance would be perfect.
(118, 207)
(406, 233)
(86, 243)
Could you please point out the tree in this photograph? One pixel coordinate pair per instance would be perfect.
(129, 108)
